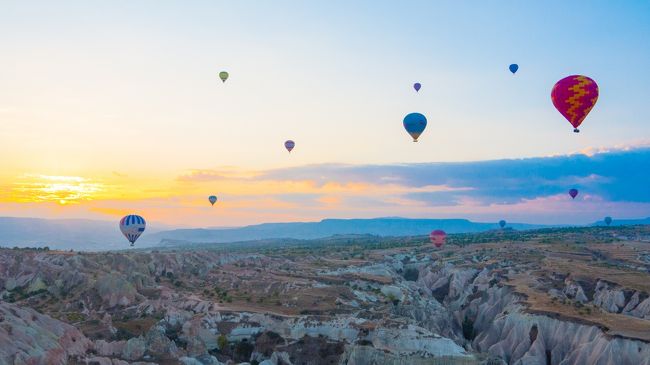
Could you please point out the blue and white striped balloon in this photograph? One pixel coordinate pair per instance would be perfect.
(132, 227)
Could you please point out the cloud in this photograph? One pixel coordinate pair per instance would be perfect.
(593, 150)
(615, 176)
(615, 182)
(204, 175)
(532, 190)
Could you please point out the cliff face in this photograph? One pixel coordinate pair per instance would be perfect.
(501, 326)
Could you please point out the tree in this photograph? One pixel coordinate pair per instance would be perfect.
(222, 342)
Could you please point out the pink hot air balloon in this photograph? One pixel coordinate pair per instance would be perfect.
(289, 145)
(573, 193)
(438, 237)
(574, 97)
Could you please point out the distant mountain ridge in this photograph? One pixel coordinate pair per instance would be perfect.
(624, 222)
(94, 235)
(329, 227)
(77, 234)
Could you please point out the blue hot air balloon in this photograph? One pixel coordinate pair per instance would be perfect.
(289, 145)
(132, 227)
(212, 199)
(514, 67)
(608, 220)
(414, 124)
(502, 223)
(417, 86)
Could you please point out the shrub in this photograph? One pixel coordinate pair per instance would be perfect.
(243, 351)
(411, 274)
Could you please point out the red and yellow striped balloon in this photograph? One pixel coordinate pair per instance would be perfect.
(574, 97)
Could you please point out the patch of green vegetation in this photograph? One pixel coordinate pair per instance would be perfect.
(20, 293)
(222, 342)
(75, 317)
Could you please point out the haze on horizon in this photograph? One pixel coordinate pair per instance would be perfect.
(115, 108)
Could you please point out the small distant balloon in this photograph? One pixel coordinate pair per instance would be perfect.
(438, 237)
(573, 193)
(223, 75)
(417, 86)
(502, 223)
(415, 123)
(513, 68)
(289, 145)
(574, 97)
(132, 227)
(608, 220)
(212, 199)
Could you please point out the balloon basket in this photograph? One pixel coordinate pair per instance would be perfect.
(576, 130)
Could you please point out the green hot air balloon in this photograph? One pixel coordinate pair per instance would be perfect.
(223, 75)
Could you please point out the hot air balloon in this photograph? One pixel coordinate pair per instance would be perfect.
(223, 75)
(573, 193)
(414, 124)
(608, 220)
(574, 97)
(212, 199)
(132, 227)
(438, 238)
(502, 223)
(289, 145)
(417, 86)
(513, 68)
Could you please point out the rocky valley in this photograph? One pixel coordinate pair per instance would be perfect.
(549, 296)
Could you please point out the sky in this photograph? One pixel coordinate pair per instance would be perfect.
(110, 108)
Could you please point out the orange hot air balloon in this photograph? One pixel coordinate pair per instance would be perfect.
(438, 238)
(574, 97)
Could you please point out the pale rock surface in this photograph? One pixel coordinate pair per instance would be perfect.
(31, 338)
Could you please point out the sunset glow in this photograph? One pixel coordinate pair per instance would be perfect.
(100, 118)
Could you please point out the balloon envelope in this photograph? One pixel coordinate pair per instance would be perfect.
(212, 199)
(438, 237)
(415, 123)
(223, 75)
(289, 145)
(132, 227)
(574, 97)
(502, 223)
(417, 86)
(514, 67)
(573, 193)
(608, 220)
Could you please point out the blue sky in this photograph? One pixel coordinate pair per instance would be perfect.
(125, 94)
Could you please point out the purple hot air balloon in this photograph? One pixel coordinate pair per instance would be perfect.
(417, 86)
(573, 193)
(289, 145)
